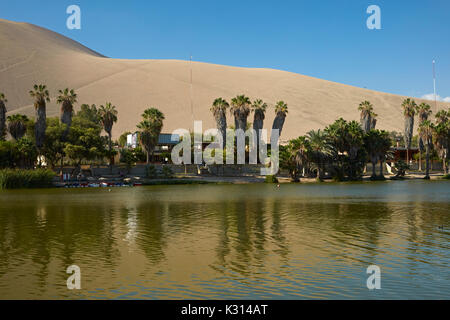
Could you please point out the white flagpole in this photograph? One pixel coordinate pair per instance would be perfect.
(192, 103)
(434, 85)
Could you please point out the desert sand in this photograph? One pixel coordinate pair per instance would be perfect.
(30, 54)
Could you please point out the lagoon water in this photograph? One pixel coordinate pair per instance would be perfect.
(299, 241)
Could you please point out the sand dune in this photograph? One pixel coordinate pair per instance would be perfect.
(30, 54)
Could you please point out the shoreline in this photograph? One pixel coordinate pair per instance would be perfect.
(199, 180)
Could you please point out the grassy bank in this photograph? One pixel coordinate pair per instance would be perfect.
(20, 179)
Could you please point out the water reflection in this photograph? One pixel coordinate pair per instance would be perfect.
(227, 241)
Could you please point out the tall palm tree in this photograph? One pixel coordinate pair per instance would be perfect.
(385, 144)
(424, 111)
(108, 116)
(372, 145)
(3, 102)
(426, 134)
(373, 120)
(259, 114)
(150, 127)
(240, 107)
(67, 98)
(442, 116)
(320, 150)
(41, 97)
(219, 110)
(366, 109)
(294, 157)
(17, 125)
(281, 110)
(441, 136)
(409, 111)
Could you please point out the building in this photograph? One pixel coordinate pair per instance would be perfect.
(166, 142)
(399, 153)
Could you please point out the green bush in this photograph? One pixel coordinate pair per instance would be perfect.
(18, 179)
(150, 172)
(271, 179)
(8, 151)
(167, 172)
(401, 167)
(446, 177)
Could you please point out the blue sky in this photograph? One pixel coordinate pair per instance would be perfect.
(323, 39)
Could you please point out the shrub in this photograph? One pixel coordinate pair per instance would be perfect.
(128, 157)
(446, 177)
(167, 172)
(18, 178)
(8, 152)
(150, 172)
(271, 179)
(401, 167)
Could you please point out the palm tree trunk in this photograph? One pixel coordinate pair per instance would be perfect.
(420, 160)
(62, 165)
(110, 151)
(2, 121)
(258, 124)
(366, 123)
(221, 122)
(278, 122)
(381, 168)
(242, 123)
(427, 161)
(66, 117)
(41, 125)
(374, 166)
(409, 128)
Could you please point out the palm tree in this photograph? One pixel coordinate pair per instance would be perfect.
(385, 144)
(442, 116)
(240, 107)
(259, 108)
(219, 110)
(299, 149)
(320, 150)
(441, 136)
(372, 145)
(3, 102)
(347, 138)
(424, 111)
(41, 96)
(373, 120)
(409, 111)
(294, 157)
(151, 127)
(108, 116)
(426, 134)
(17, 125)
(366, 109)
(67, 99)
(281, 110)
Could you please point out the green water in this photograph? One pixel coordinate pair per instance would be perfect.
(228, 241)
